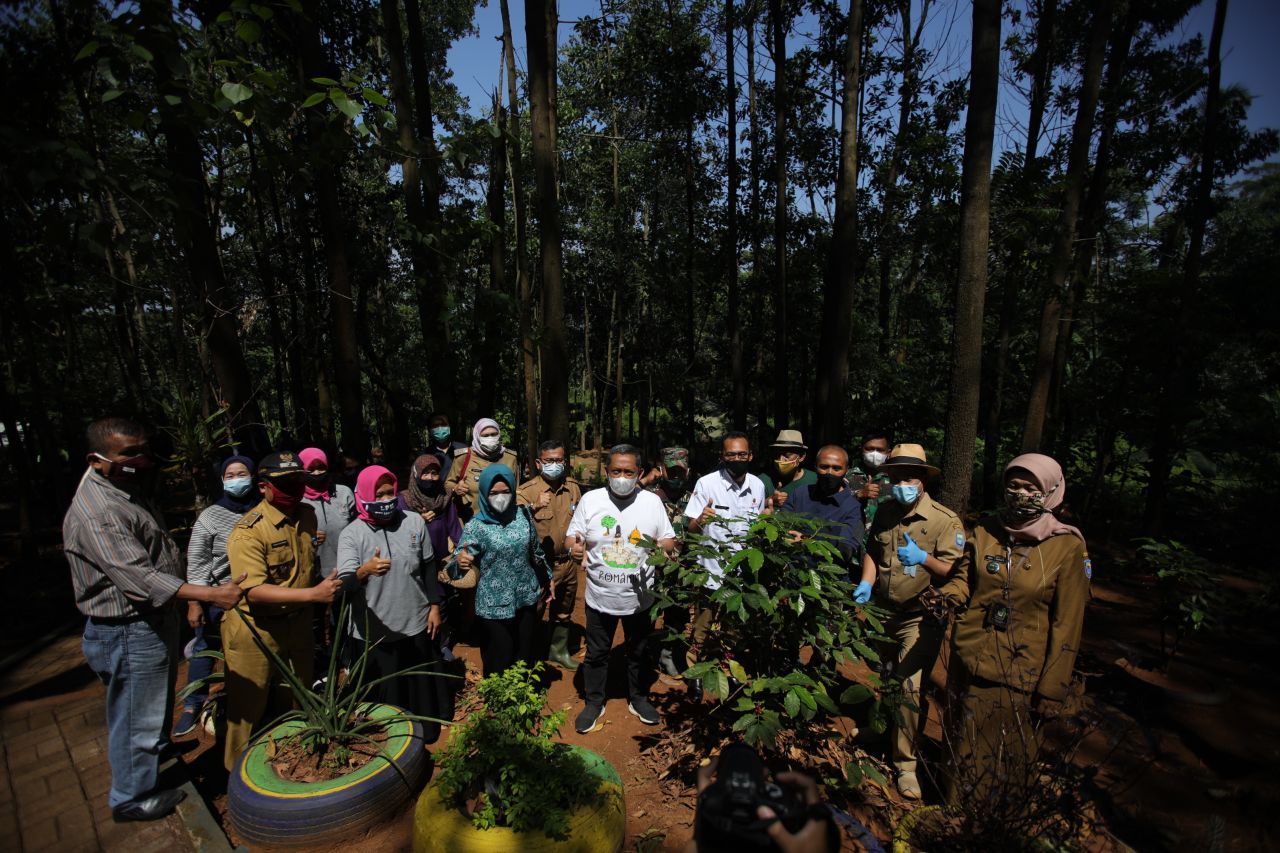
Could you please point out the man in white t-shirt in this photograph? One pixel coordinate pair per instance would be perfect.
(607, 528)
(734, 496)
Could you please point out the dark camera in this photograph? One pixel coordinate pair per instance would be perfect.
(726, 818)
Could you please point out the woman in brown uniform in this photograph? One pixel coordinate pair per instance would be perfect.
(1015, 642)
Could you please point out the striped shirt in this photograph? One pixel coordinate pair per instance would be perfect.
(123, 561)
(207, 561)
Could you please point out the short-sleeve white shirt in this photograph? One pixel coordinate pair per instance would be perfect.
(742, 503)
(616, 564)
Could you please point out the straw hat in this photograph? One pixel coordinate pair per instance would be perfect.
(790, 438)
(909, 456)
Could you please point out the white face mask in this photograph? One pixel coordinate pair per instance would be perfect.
(622, 486)
(874, 458)
(490, 443)
(500, 503)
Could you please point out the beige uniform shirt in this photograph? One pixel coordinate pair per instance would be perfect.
(553, 519)
(469, 469)
(271, 547)
(930, 525)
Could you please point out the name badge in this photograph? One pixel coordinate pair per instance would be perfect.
(281, 544)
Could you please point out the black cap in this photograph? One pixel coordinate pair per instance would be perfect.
(283, 463)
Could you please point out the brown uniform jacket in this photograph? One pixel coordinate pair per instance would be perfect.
(470, 469)
(930, 525)
(553, 519)
(1047, 587)
(270, 547)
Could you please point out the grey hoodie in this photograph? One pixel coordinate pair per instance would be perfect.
(396, 603)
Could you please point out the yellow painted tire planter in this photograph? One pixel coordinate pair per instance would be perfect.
(442, 827)
(267, 810)
(904, 832)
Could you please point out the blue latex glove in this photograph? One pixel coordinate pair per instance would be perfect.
(862, 594)
(911, 555)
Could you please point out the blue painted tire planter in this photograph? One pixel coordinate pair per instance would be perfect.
(268, 810)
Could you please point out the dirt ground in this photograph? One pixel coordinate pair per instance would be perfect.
(1180, 761)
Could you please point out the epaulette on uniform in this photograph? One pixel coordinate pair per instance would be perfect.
(250, 518)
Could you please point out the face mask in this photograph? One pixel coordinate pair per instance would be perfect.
(500, 503)
(736, 467)
(673, 485)
(622, 486)
(135, 469)
(237, 487)
(441, 434)
(1022, 506)
(285, 497)
(318, 481)
(828, 484)
(786, 466)
(430, 487)
(874, 458)
(553, 470)
(381, 510)
(490, 443)
(906, 494)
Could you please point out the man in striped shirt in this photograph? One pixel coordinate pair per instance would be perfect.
(127, 574)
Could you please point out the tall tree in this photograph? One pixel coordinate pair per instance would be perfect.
(738, 405)
(541, 22)
(781, 364)
(830, 389)
(489, 302)
(975, 235)
(1065, 234)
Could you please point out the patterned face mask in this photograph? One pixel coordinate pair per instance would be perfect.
(1023, 506)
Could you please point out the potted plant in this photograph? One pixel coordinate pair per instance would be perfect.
(334, 766)
(504, 783)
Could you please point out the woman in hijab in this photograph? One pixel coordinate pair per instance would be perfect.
(387, 565)
(334, 505)
(486, 449)
(1026, 577)
(502, 542)
(207, 565)
(426, 496)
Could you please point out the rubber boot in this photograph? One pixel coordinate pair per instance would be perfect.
(559, 652)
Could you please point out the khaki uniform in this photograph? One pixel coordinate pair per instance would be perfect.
(470, 469)
(552, 522)
(917, 639)
(1038, 591)
(269, 547)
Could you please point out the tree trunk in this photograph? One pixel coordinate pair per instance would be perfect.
(1065, 233)
(1175, 407)
(975, 234)
(781, 366)
(842, 262)
(757, 255)
(738, 379)
(540, 23)
(1039, 69)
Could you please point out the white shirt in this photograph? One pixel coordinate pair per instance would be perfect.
(729, 500)
(611, 529)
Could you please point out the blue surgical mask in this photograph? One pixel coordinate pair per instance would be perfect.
(441, 434)
(553, 470)
(906, 494)
(237, 487)
(381, 510)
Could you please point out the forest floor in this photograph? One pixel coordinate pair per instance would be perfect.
(1180, 758)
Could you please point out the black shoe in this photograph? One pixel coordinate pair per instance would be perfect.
(695, 690)
(186, 723)
(642, 709)
(589, 719)
(153, 807)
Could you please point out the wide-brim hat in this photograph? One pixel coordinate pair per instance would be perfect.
(790, 438)
(909, 456)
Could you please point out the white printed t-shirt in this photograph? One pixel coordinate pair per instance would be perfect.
(729, 500)
(611, 531)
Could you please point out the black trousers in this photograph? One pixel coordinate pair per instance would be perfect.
(636, 628)
(505, 641)
(425, 695)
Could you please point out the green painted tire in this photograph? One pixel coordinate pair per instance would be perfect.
(441, 827)
(268, 810)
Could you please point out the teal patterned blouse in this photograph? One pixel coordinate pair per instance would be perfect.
(510, 567)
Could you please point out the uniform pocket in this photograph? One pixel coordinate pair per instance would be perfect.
(279, 565)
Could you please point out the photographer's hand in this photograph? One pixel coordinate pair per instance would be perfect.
(812, 837)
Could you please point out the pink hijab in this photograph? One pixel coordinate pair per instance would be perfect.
(367, 488)
(482, 425)
(1048, 476)
(306, 457)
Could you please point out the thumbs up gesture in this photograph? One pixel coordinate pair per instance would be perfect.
(327, 589)
(375, 565)
(579, 549)
(911, 555)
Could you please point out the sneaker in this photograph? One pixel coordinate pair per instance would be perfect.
(589, 719)
(643, 711)
(186, 723)
(908, 785)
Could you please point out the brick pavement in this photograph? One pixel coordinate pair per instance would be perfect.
(54, 774)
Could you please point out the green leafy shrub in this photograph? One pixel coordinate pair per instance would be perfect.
(1190, 596)
(506, 759)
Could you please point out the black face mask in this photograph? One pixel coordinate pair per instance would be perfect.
(430, 487)
(319, 482)
(674, 486)
(736, 467)
(828, 484)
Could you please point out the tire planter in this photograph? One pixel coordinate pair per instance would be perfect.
(904, 832)
(268, 810)
(442, 827)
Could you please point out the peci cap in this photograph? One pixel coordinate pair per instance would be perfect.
(909, 456)
(790, 438)
(282, 463)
